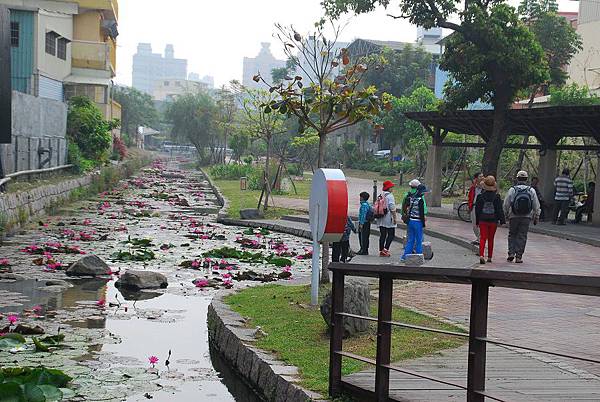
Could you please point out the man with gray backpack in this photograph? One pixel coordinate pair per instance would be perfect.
(521, 206)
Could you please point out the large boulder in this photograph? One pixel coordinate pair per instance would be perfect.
(90, 265)
(356, 301)
(250, 214)
(142, 280)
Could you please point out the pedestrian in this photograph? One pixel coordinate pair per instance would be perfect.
(365, 217)
(385, 212)
(489, 214)
(414, 209)
(521, 206)
(474, 191)
(535, 184)
(563, 192)
(588, 204)
(341, 249)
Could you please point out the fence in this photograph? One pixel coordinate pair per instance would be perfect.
(480, 280)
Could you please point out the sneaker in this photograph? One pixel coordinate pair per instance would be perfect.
(510, 258)
(482, 260)
(489, 260)
(475, 242)
(382, 253)
(519, 260)
(402, 259)
(387, 253)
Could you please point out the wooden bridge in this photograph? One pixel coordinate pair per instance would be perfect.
(463, 373)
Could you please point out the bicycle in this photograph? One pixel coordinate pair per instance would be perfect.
(463, 212)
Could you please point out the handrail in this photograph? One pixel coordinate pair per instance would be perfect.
(14, 175)
(480, 280)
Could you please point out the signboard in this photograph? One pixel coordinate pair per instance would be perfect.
(5, 83)
(328, 215)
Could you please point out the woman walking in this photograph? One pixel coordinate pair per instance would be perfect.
(488, 214)
(385, 212)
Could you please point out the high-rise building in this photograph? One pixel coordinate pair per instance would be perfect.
(149, 68)
(263, 63)
(209, 80)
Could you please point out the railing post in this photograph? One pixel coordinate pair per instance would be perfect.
(384, 339)
(337, 334)
(477, 348)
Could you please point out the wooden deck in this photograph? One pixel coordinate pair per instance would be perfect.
(511, 376)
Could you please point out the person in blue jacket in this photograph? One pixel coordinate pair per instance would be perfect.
(414, 210)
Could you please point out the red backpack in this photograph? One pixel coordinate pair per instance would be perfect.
(380, 207)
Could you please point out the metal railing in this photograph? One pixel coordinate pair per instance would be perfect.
(480, 281)
(13, 176)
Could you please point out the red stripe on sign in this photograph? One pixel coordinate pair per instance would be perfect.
(337, 206)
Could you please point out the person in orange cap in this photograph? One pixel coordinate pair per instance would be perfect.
(385, 212)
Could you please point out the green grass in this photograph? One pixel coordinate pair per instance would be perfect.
(297, 333)
(302, 187)
(239, 199)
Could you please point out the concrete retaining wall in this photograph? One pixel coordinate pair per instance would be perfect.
(271, 378)
(36, 123)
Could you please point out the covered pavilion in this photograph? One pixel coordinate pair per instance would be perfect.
(547, 124)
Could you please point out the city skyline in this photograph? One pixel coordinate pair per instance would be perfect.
(217, 46)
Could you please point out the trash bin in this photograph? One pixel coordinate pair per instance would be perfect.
(243, 183)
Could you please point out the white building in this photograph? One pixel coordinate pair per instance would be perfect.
(585, 65)
(167, 89)
(263, 63)
(149, 67)
(209, 80)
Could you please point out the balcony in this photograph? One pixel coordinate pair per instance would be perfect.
(111, 6)
(93, 55)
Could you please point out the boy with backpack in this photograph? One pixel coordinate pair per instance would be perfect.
(385, 212)
(521, 206)
(414, 210)
(365, 217)
(488, 214)
(341, 249)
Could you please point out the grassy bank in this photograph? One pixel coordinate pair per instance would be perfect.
(297, 333)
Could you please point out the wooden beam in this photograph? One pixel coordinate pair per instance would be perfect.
(520, 146)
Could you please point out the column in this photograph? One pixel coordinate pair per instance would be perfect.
(547, 174)
(596, 215)
(433, 175)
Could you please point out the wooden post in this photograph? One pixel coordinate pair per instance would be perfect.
(384, 339)
(5, 83)
(477, 348)
(337, 334)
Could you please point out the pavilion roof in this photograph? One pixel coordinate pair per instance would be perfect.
(548, 124)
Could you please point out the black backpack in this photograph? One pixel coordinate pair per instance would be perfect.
(522, 203)
(488, 212)
(370, 217)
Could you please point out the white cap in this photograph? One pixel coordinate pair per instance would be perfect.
(522, 174)
(414, 183)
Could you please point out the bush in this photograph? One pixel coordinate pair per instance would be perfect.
(232, 172)
(119, 149)
(75, 158)
(389, 171)
(295, 169)
(88, 129)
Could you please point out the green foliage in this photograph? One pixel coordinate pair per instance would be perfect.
(137, 109)
(572, 95)
(239, 143)
(193, 119)
(75, 158)
(248, 256)
(232, 171)
(33, 384)
(11, 340)
(87, 128)
(399, 72)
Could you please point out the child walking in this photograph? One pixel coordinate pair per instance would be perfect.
(488, 214)
(342, 247)
(365, 216)
(414, 210)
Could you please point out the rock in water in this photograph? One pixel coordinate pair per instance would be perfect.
(90, 265)
(142, 280)
(414, 260)
(356, 301)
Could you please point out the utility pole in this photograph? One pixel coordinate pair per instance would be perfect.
(5, 84)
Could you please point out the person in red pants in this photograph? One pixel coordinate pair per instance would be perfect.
(488, 214)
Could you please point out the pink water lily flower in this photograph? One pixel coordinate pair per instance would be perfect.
(153, 360)
(101, 303)
(202, 283)
(37, 309)
(226, 276)
(195, 264)
(12, 318)
(4, 262)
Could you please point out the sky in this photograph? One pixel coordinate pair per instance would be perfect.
(215, 35)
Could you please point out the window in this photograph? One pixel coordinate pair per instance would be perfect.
(166, 83)
(61, 48)
(51, 43)
(14, 34)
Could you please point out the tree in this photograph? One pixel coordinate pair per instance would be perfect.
(278, 74)
(87, 128)
(572, 95)
(239, 144)
(262, 124)
(193, 119)
(307, 146)
(137, 109)
(227, 110)
(491, 55)
(325, 103)
(399, 72)
(401, 131)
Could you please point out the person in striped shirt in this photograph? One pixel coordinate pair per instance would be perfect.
(563, 192)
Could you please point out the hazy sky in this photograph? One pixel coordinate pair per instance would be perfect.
(215, 35)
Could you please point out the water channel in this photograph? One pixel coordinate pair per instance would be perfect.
(111, 333)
